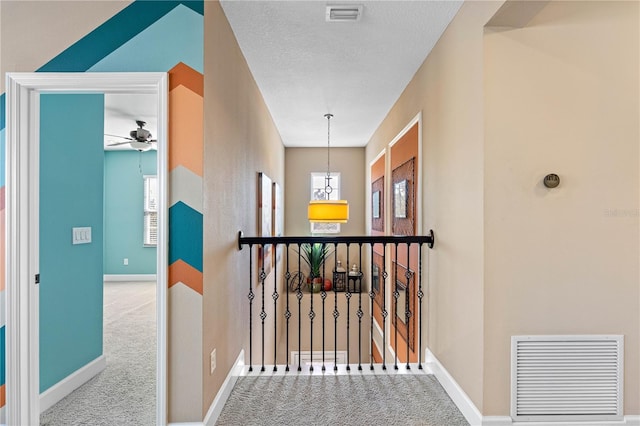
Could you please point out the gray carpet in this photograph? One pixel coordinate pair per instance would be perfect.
(125, 392)
(340, 400)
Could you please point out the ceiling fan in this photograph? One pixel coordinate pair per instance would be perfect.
(139, 139)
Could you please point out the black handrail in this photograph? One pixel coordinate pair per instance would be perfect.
(364, 239)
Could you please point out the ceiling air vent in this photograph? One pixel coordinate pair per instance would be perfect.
(343, 12)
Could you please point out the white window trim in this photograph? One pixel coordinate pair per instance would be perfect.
(150, 209)
(317, 227)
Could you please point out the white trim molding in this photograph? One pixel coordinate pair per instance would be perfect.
(453, 389)
(129, 277)
(475, 417)
(223, 394)
(632, 420)
(70, 383)
(21, 224)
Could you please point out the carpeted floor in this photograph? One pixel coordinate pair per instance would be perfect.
(340, 400)
(125, 392)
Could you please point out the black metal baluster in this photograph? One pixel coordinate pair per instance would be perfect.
(336, 314)
(263, 313)
(299, 296)
(287, 313)
(250, 296)
(275, 297)
(420, 295)
(360, 313)
(394, 321)
(372, 296)
(348, 296)
(312, 315)
(385, 275)
(323, 295)
(407, 310)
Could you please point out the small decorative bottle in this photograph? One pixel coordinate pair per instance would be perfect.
(339, 277)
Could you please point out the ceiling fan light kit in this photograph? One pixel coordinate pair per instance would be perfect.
(140, 139)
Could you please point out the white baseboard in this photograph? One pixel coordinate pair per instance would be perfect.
(70, 383)
(186, 424)
(632, 420)
(223, 394)
(497, 421)
(475, 417)
(455, 392)
(129, 277)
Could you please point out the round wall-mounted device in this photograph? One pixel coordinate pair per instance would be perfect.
(551, 180)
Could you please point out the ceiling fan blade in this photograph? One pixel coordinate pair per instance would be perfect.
(119, 143)
(121, 137)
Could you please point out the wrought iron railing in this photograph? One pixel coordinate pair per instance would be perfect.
(403, 254)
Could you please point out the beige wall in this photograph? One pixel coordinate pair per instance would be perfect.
(562, 97)
(33, 32)
(499, 112)
(448, 90)
(300, 163)
(240, 141)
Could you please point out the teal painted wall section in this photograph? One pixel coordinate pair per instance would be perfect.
(123, 213)
(71, 195)
(160, 47)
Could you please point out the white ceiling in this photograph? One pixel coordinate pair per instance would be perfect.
(306, 67)
(121, 112)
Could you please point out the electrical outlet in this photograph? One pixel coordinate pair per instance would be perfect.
(213, 360)
(125, 261)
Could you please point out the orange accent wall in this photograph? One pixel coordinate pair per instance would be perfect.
(184, 75)
(180, 271)
(186, 127)
(405, 148)
(377, 168)
(377, 356)
(401, 152)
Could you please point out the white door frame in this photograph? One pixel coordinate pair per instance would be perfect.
(22, 234)
(388, 217)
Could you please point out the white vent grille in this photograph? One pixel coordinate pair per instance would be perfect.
(559, 378)
(343, 13)
(306, 358)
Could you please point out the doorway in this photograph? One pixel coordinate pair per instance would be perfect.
(23, 213)
(396, 196)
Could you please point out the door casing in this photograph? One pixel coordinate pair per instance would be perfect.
(386, 152)
(22, 233)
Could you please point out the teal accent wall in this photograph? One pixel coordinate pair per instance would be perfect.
(123, 212)
(71, 195)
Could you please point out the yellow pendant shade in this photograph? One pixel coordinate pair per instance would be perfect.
(332, 211)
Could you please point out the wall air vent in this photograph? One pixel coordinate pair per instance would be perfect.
(566, 378)
(343, 12)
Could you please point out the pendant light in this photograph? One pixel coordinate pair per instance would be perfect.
(331, 211)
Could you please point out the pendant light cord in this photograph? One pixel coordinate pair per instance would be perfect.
(328, 189)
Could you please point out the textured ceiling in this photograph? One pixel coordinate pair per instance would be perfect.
(306, 67)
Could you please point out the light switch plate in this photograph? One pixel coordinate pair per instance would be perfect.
(81, 235)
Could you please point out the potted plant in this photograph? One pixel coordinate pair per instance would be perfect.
(314, 255)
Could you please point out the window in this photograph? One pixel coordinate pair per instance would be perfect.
(318, 185)
(150, 211)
